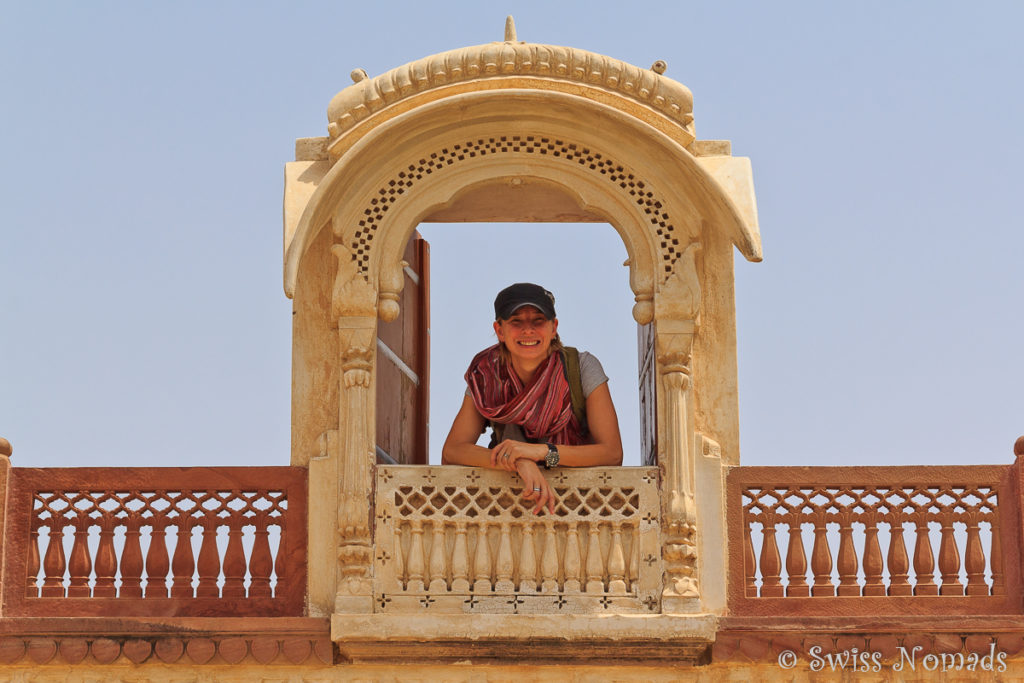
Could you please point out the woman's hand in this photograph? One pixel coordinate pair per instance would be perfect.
(535, 487)
(508, 453)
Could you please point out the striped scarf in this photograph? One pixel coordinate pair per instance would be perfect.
(543, 408)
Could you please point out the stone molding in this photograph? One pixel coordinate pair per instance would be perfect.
(621, 639)
(551, 67)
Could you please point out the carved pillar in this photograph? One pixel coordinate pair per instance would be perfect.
(676, 309)
(680, 519)
(354, 306)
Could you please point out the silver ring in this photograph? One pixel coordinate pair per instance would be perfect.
(536, 489)
(505, 456)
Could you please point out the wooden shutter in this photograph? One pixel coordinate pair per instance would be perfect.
(648, 396)
(403, 365)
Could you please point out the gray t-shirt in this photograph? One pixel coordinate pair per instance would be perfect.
(591, 373)
(591, 377)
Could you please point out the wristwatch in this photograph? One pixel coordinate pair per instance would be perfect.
(551, 459)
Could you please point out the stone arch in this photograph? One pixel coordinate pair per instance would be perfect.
(616, 141)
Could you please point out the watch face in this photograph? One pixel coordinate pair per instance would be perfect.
(551, 459)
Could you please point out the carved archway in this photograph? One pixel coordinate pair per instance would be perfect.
(617, 141)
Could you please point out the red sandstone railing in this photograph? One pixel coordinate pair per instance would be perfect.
(201, 541)
(809, 540)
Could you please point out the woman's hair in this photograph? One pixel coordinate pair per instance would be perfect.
(506, 357)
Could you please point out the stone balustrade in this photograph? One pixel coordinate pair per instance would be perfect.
(155, 541)
(858, 540)
(461, 540)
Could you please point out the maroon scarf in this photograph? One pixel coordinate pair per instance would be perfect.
(543, 408)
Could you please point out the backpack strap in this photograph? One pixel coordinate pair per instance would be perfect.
(571, 363)
(497, 433)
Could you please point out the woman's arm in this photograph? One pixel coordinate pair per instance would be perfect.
(460, 449)
(606, 448)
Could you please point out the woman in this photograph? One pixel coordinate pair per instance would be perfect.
(521, 389)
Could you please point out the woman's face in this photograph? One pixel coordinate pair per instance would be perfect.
(527, 334)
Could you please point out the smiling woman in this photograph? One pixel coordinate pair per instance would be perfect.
(537, 396)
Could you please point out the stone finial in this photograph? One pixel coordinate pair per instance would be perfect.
(358, 75)
(510, 29)
(659, 66)
(5, 447)
(1018, 447)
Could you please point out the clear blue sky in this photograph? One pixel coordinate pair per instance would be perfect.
(142, 317)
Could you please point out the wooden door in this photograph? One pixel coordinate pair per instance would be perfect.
(403, 366)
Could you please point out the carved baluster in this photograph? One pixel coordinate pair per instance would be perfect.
(53, 561)
(632, 566)
(157, 562)
(416, 557)
(846, 561)
(749, 563)
(595, 562)
(528, 562)
(616, 562)
(573, 561)
(924, 561)
(796, 563)
(234, 562)
(80, 564)
(460, 560)
(183, 564)
(106, 561)
(974, 560)
(549, 560)
(898, 560)
(208, 563)
(771, 561)
(504, 566)
(872, 558)
(400, 575)
(821, 560)
(261, 562)
(949, 561)
(438, 562)
(131, 559)
(280, 563)
(996, 560)
(32, 564)
(482, 561)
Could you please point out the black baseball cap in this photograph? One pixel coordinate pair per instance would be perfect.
(514, 297)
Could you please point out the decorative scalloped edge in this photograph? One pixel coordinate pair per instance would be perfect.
(495, 60)
(228, 649)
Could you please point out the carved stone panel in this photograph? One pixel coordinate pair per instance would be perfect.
(460, 540)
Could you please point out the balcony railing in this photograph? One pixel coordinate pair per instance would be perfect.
(810, 540)
(203, 541)
(461, 540)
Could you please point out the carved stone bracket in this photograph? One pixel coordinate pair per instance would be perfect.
(679, 295)
(352, 294)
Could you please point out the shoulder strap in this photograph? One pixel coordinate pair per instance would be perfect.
(497, 433)
(571, 358)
